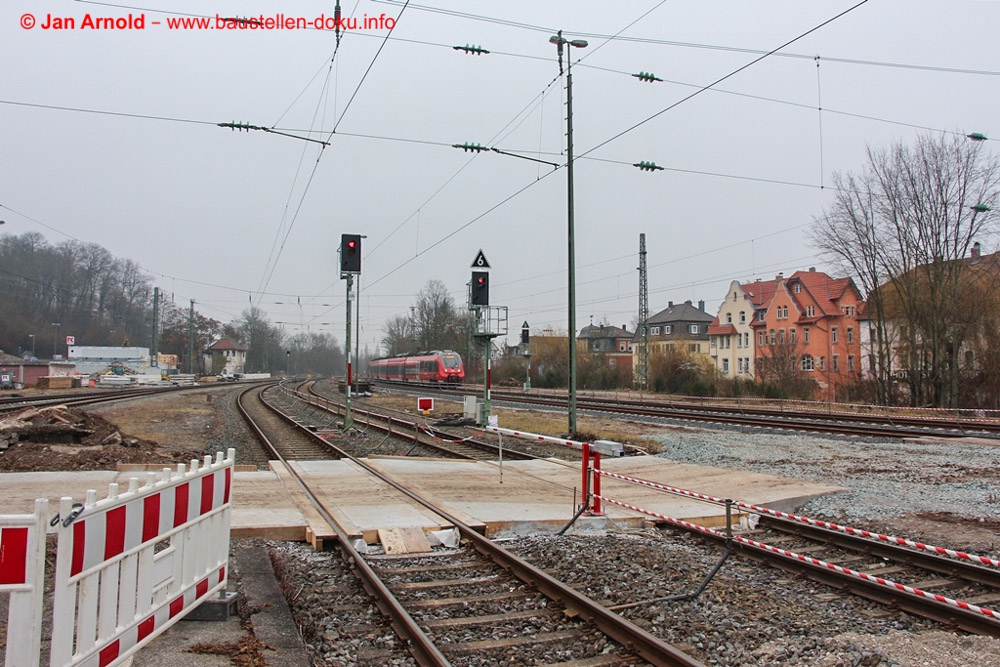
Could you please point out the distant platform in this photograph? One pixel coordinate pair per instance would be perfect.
(515, 498)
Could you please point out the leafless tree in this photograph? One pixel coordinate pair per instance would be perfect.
(904, 227)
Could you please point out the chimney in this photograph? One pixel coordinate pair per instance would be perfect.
(688, 302)
(624, 327)
(812, 269)
(780, 276)
(976, 250)
(701, 305)
(670, 304)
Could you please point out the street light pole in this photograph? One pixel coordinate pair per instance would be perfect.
(32, 337)
(559, 41)
(55, 334)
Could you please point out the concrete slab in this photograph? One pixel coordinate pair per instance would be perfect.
(515, 498)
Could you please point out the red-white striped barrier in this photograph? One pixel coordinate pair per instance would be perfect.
(22, 575)
(131, 565)
(961, 555)
(888, 583)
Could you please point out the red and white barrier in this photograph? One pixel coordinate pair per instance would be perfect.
(133, 564)
(757, 509)
(22, 575)
(888, 583)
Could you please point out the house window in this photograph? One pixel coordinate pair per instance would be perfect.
(746, 341)
(807, 362)
(761, 314)
(822, 363)
(729, 342)
(612, 362)
(850, 334)
(621, 347)
(729, 318)
(836, 362)
(743, 317)
(713, 342)
(805, 335)
(668, 328)
(693, 328)
(725, 366)
(760, 337)
(773, 337)
(810, 311)
(850, 362)
(833, 335)
(654, 331)
(694, 347)
(798, 288)
(791, 336)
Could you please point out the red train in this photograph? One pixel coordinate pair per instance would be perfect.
(436, 366)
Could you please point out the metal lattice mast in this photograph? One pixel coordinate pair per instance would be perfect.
(642, 372)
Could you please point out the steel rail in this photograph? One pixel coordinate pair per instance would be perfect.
(630, 636)
(419, 644)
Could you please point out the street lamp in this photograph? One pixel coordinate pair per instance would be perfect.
(55, 334)
(559, 41)
(32, 337)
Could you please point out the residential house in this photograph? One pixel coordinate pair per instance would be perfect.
(612, 342)
(731, 339)
(809, 328)
(936, 342)
(680, 328)
(224, 358)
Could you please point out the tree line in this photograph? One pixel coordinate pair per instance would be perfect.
(49, 291)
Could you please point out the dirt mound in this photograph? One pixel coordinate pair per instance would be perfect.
(61, 438)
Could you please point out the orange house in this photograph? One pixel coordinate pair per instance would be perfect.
(810, 327)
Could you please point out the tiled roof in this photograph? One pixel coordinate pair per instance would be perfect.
(681, 312)
(226, 344)
(606, 331)
(760, 292)
(721, 329)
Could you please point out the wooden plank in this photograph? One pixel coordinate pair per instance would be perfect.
(317, 529)
(403, 540)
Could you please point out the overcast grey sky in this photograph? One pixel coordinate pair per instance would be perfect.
(226, 217)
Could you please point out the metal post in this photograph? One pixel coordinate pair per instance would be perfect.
(571, 246)
(348, 421)
(487, 407)
(586, 474)
(191, 338)
(154, 355)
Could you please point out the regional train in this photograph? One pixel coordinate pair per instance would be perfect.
(435, 366)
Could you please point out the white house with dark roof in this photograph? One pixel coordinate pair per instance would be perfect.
(224, 357)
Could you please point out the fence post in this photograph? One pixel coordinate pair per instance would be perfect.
(22, 573)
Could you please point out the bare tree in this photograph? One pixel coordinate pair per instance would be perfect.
(905, 227)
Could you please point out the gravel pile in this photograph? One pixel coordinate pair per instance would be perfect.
(885, 479)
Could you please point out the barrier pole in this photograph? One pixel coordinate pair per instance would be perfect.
(586, 474)
(597, 483)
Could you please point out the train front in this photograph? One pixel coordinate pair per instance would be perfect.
(452, 369)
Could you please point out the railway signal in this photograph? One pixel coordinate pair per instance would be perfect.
(480, 288)
(350, 253)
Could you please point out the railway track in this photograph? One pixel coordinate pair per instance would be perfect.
(952, 587)
(411, 594)
(830, 421)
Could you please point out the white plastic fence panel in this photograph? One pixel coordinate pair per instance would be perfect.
(22, 575)
(133, 564)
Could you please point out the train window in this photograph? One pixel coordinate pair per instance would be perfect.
(451, 360)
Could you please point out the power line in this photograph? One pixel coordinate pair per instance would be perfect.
(723, 78)
(693, 45)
